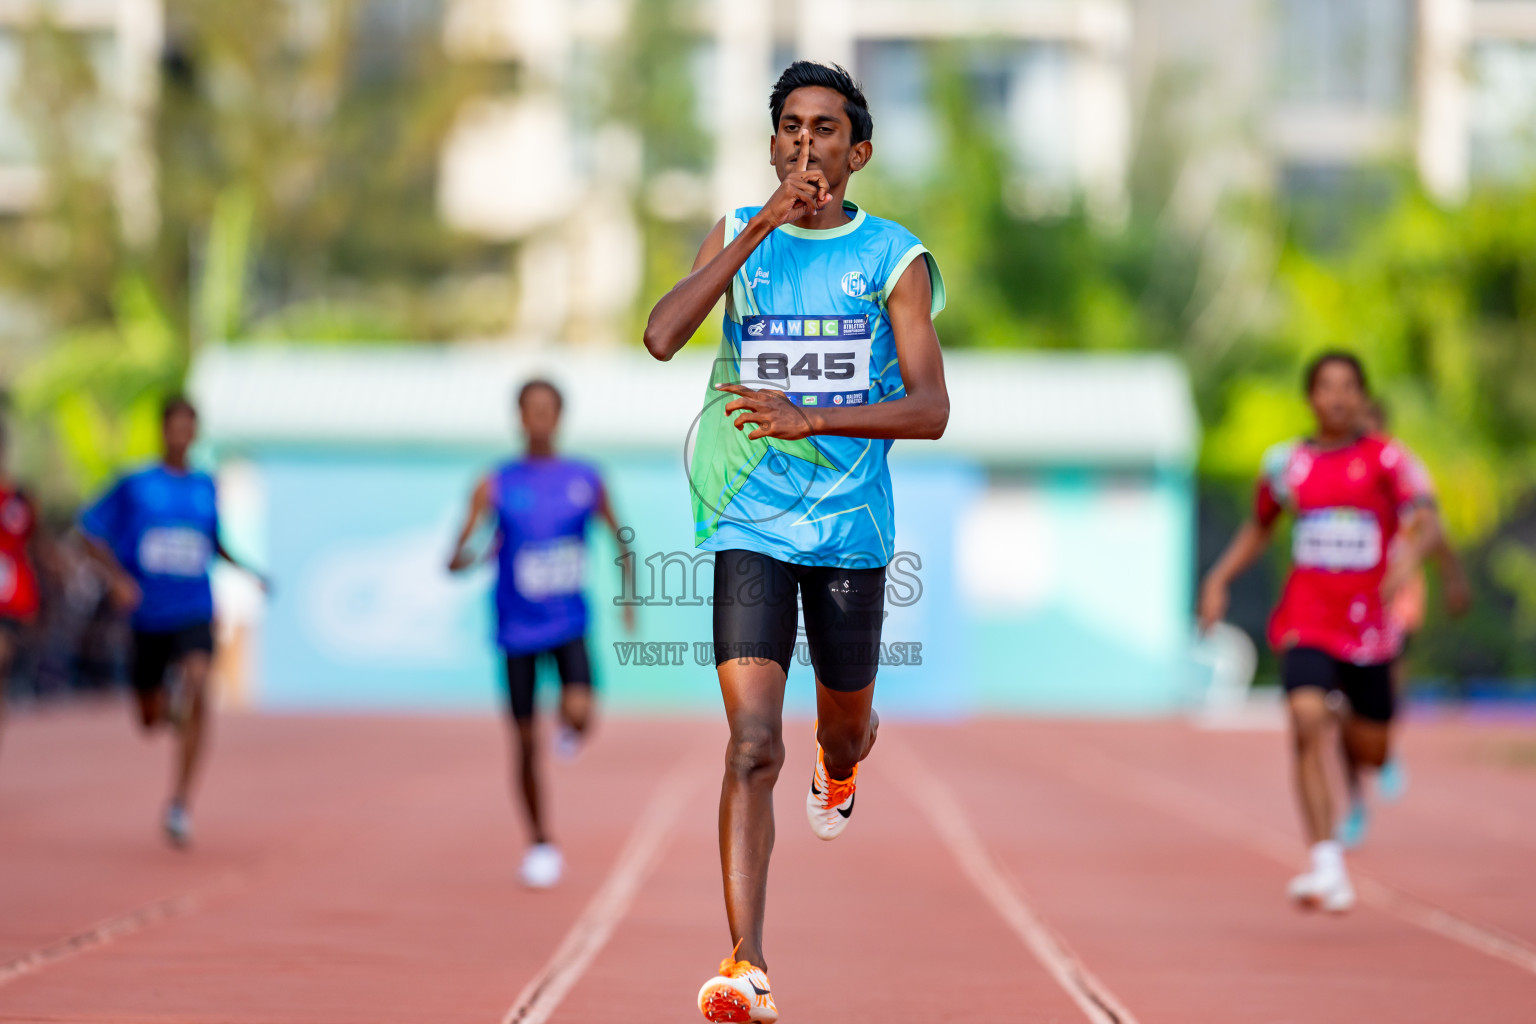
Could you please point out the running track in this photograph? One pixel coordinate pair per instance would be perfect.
(363, 869)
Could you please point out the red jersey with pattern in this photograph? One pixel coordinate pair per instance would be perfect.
(18, 580)
(1346, 503)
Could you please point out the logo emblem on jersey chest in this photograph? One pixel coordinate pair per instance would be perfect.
(854, 284)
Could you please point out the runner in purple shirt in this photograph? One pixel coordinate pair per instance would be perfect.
(540, 505)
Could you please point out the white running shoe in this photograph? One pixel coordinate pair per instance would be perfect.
(568, 743)
(829, 804)
(738, 994)
(1317, 890)
(177, 824)
(542, 866)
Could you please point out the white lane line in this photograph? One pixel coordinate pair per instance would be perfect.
(109, 930)
(592, 930)
(1159, 792)
(936, 800)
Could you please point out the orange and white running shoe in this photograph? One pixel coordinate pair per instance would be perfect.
(829, 804)
(738, 994)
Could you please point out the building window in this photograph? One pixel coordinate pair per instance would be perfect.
(1504, 111)
(1023, 91)
(1355, 53)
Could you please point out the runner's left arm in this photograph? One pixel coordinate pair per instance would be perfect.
(1426, 539)
(1415, 495)
(605, 512)
(1453, 577)
(922, 413)
(221, 551)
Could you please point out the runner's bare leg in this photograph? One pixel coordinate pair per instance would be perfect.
(754, 709)
(846, 726)
(527, 734)
(1310, 720)
(194, 677)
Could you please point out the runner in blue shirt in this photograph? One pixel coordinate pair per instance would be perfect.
(540, 505)
(155, 532)
(828, 356)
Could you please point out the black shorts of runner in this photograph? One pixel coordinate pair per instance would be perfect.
(571, 662)
(154, 653)
(756, 616)
(1368, 687)
(13, 633)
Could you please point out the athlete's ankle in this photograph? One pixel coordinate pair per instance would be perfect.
(1328, 857)
(751, 954)
(839, 772)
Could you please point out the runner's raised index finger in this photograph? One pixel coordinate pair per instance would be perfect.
(805, 150)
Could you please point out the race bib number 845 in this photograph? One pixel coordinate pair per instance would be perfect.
(816, 360)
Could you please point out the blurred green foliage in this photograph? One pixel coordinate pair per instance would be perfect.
(296, 149)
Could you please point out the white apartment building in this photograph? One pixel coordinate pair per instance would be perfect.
(1054, 74)
(1278, 95)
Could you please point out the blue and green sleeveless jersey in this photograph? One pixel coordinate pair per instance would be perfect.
(806, 314)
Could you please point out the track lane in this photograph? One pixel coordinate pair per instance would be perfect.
(1183, 923)
(401, 903)
(878, 926)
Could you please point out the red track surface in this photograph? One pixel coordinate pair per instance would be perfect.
(365, 870)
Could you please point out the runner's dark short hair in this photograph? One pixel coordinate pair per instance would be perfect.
(804, 74)
(540, 382)
(174, 404)
(1348, 359)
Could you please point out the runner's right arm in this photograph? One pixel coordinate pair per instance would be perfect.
(123, 592)
(479, 506)
(680, 312)
(1242, 552)
(98, 524)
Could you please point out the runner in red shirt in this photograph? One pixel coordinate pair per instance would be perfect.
(20, 545)
(1406, 615)
(1348, 493)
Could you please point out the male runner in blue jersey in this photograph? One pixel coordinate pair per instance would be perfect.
(155, 532)
(829, 355)
(541, 504)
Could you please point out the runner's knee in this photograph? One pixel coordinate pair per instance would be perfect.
(756, 753)
(1309, 724)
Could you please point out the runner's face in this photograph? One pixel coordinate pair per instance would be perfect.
(179, 432)
(1337, 401)
(541, 414)
(816, 114)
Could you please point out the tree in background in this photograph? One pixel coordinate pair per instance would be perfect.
(297, 147)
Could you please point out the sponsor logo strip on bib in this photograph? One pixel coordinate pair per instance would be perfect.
(815, 360)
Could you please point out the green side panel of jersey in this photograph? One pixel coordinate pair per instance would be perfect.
(723, 458)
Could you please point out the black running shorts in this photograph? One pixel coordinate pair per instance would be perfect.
(756, 615)
(155, 653)
(1368, 687)
(571, 662)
